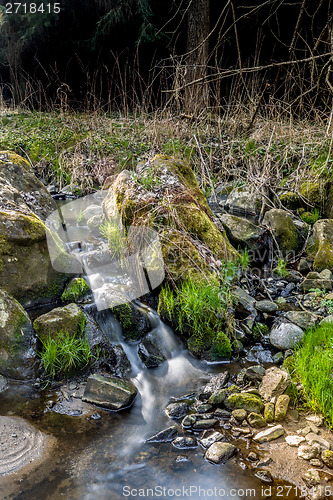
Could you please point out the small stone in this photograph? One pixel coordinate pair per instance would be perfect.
(205, 424)
(311, 478)
(110, 392)
(177, 410)
(266, 306)
(295, 440)
(303, 319)
(188, 421)
(281, 407)
(315, 419)
(218, 397)
(209, 439)
(224, 414)
(256, 372)
(239, 415)
(253, 456)
(327, 458)
(204, 408)
(256, 420)
(326, 274)
(220, 452)
(163, 436)
(264, 475)
(309, 428)
(215, 384)
(185, 442)
(313, 438)
(269, 434)
(269, 412)
(315, 462)
(278, 358)
(307, 452)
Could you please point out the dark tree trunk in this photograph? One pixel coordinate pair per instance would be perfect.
(197, 48)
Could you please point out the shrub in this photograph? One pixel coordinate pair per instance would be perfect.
(63, 355)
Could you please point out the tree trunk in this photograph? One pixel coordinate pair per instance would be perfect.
(197, 48)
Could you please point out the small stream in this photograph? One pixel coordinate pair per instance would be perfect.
(107, 458)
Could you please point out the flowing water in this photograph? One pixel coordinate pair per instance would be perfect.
(107, 458)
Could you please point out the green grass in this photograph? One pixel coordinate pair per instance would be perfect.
(114, 232)
(199, 310)
(314, 368)
(63, 355)
(311, 217)
(76, 289)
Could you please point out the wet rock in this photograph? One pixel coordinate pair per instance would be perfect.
(283, 229)
(224, 414)
(256, 420)
(256, 372)
(185, 442)
(188, 421)
(177, 410)
(109, 392)
(76, 289)
(266, 306)
(208, 439)
(269, 434)
(327, 458)
(274, 383)
(201, 425)
(306, 452)
(320, 245)
(239, 415)
(244, 301)
(163, 436)
(216, 383)
(150, 353)
(204, 408)
(17, 340)
(264, 475)
(69, 319)
(288, 289)
(269, 412)
(241, 231)
(313, 438)
(253, 456)
(3, 383)
(281, 407)
(248, 402)
(286, 336)
(303, 319)
(218, 397)
(295, 441)
(220, 452)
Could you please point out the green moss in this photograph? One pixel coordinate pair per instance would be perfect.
(259, 330)
(221, 347)
(269, 412)
(248, 402)
(314, 192)
(76, 289)
(15, 159)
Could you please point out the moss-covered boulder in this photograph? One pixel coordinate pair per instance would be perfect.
(163, 194)
(283, 229)
(320, 245)
(69, 319)
(241, 231)
(244, 401)
(25, 267)
(17, 340)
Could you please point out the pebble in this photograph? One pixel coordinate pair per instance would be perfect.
(269, 434)
(295, 440)
(264, 475)
(185, 442)
(209, 439)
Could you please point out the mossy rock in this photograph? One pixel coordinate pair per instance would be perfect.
(11, 157)
(290, 200)
(269, 412)
(283, 229)
(75, 290)
(314, 193)
(69, 319)
(320, 245)
(221, 347)
(17, 340)
(135, 325)
(248, 402)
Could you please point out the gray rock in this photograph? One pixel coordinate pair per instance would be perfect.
(205, 424)
(266, 306)
(315, 420)
(320, 245)
(326, 274)
(185, 442)
(220, 452)
(303, 319)
(295, 441)
(188, 421)
(274, 383)
(304, 265)
(150, 353)
(216, 383)
(69, 319)
(163, 436)
(18, 358)
(269, 434)
(256, 420)
(286, 336)
(210, 439)
(306, 452)
(244, 301)
(283, 229)
(218, 397)
(177, 410)
(255, 372)
(204, 408)
(109, 392)
(239, 415)
(309, 284)
(313, 438)
(241, 231)
(327, 458)
(311, 478)
(278, 358)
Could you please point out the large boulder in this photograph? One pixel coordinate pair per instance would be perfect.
(69, 319)
(283, 229)
(17, 340)
(286, 336)
(189, 234)
(320, 245)
(25, 267)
